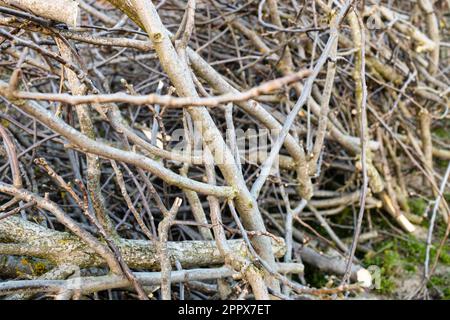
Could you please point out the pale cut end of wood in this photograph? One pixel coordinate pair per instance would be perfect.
(66, 11)
(364, 277)
(404, 222)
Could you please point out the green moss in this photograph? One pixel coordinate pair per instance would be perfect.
(440, 284)
(387, 286)
(390, 263)
(397, 256)
(445, 256)
(417, 205)
(414, 251)
(315, 278)
(442, 133)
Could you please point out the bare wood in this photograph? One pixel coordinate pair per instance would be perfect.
(66, 11)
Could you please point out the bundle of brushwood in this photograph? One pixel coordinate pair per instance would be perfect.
(210, 149)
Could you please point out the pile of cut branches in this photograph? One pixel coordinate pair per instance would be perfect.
(209, 149)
